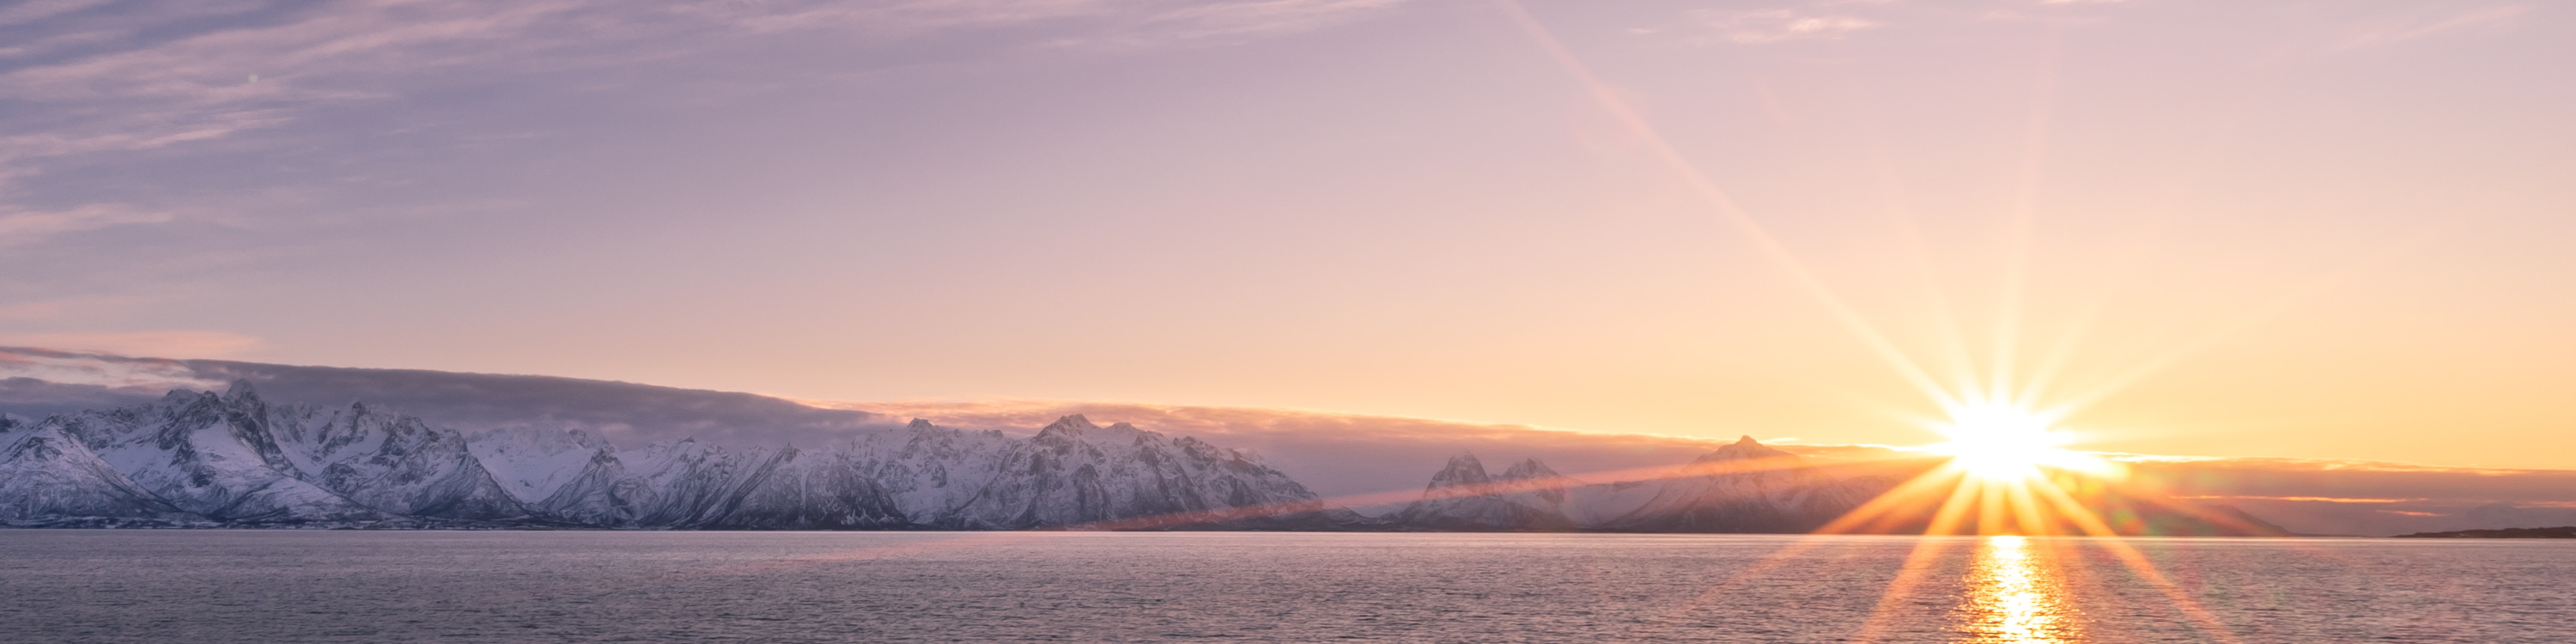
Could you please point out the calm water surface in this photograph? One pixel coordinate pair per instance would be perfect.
(283, 586)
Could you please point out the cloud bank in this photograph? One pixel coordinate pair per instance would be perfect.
(44, 381)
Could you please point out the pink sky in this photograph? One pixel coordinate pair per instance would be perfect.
(2315, 230)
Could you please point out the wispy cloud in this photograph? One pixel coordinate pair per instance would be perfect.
(174, 344)
(1770, 26)
(1131, 21)
(57, 309)
(19, 228)
(22, 227)
(2401, 29)
(1263, 17)
(41, 9)
(169, 78)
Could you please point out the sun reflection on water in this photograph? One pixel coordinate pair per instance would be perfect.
(2017, 597)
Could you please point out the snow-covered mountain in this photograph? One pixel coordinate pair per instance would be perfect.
(389, 462)
(209, 455)
(1073, 472)
(49, 478)
(235, 459)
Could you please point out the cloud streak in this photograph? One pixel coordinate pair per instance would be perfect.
(158, 78)
(2393, 31)
(25, 226)
(1771, 26)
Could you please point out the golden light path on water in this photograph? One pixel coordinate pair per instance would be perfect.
(2017, 597)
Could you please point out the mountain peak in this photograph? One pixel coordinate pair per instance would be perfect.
(1462, 469)
(1069, 424)
(1529, 469)
(1744, 449)
(920, 423)
(241, 390)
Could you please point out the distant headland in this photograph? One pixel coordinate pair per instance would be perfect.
(2561, 532)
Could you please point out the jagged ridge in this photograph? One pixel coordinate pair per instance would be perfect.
(235, 459)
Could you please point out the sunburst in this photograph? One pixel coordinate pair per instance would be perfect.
(2000, 442)
(2008, 460)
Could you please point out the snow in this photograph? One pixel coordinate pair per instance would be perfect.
(533, 464)
(48, 474)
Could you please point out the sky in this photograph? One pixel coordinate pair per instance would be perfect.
(2327, 230)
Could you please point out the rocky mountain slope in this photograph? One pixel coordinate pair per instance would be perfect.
(48, 477)
(233, 459)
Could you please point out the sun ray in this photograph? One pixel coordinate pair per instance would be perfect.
(2205, 341)
(1950, 513)
(1919, 560)
(2028, 518)
(1909, 492)
(1945, 322)
(2137, 562)
(1734, 214)
(2161, 500)
(1990, 507)
(2079, 327)
(2020, 226)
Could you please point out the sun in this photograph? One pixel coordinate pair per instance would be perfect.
(2003, 442)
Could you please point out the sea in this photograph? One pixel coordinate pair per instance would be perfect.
(291, 586)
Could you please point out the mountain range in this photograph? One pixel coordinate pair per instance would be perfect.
(234, 459)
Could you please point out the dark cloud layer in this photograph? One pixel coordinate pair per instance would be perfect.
(35, 398)
(629, 414)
